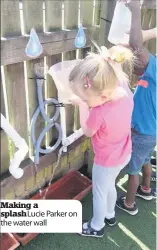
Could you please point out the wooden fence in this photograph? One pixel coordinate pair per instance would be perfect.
(56, 22)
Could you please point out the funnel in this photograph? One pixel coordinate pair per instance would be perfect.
(60, 73)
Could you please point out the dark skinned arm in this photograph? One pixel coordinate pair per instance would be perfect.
(136, 37)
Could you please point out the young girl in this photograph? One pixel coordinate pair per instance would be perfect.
(102, 85)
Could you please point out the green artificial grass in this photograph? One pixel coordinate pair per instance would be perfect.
(131, 233)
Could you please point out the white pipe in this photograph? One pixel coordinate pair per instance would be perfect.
(66, 141)
(73, 137)
(19, 143)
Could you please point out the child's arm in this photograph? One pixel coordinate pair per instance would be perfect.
(84, 113)
(90, 120)
(136, 38)
(149, 34)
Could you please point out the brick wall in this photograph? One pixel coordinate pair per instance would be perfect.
(75, 158)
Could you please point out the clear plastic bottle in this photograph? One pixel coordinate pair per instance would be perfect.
(120, 25)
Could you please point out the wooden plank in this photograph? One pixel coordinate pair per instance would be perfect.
(108, 8)
(33, 99)
(149, 4)
(16, 96)
(33, 15)
(14, 74)
(2, 99)
(71, 14)
(5, 158)
(53, 22)
(152, 24)
(97, 12)
(86, 12)
(105, 23)
(10, 18)
(70, 8)
(33, 18)
(13, 50)
(145, 23)
(69, 108)
(146, 19)
(86, 18)
(51, 91)
(53, 15)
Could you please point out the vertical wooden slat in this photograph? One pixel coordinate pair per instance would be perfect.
(86, 12)
(104, 25)
(71, 14)
(145, 22)
(97, 12)
(14, 74)
(5, 158)
(152, 24)
(52, 135)
(143, 11)
(33, 99)
(53, 22)
(107, 11)
(33, 18)
(33, 15)
(69, 108)
(15, 88)
(70, 22)
(10, 18)
(86, 18)
(53, 15)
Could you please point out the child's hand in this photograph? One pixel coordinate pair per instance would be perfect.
(132, 4)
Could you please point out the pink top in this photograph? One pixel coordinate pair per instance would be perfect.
(112, 142)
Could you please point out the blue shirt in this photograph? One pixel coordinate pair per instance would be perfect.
(144, 113)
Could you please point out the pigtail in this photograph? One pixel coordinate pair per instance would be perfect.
(105, 69)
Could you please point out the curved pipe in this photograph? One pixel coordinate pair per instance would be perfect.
(44, 131)
(41, 103)
(19, 143)
(51, 149)
(35, 116)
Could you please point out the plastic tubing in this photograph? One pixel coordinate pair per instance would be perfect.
(42, 105)
(51, 123)
(44, 131)
(19, 143)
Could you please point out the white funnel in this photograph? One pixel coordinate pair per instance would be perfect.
(60, 73)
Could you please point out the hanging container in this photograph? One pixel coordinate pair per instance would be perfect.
(120, 25)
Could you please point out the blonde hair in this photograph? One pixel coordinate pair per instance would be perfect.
(103, 69)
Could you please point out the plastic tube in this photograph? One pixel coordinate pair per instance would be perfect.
(73, 137)
(19, 143)
(51, 122)
(44, 131)
(42, 105)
